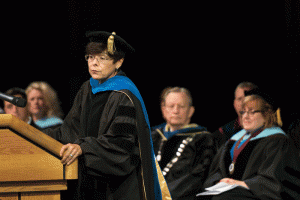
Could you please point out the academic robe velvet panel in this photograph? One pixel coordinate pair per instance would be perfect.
(269, 166)
(294, 132)
(108, 137)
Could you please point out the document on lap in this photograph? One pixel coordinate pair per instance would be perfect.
(219, 188)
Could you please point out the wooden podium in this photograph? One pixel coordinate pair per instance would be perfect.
(30, 166)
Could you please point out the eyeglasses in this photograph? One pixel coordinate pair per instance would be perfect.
(179, 107)
(250, 113)
(103, 59)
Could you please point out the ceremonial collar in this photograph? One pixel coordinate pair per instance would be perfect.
(116, 83)
(183, 131)
(265, 133)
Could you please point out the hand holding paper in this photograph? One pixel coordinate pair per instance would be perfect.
(234, 182)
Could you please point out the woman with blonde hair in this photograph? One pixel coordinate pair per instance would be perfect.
(43, 105)
(259, 159)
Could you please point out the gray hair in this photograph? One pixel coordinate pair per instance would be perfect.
(246, 84)
(169, 90)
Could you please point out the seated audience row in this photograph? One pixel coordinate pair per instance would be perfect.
(107, 129)
(251, 151)
(42, 110)
(261, 170)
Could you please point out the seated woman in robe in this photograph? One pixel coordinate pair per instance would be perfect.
(260, 158)
(43, 105)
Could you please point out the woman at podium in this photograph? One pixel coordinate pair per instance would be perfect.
(107, 129)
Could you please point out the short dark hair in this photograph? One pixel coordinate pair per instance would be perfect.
(247, 84)
(17, 91)
(93, 48)
(14, 91)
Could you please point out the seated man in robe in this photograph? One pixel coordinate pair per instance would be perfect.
(184, 151)
(19, 112)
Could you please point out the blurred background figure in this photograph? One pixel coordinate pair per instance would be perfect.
(21, 113)
(294, 132)
(43, 105)
(225, 132)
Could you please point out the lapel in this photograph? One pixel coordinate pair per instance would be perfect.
(222, 160)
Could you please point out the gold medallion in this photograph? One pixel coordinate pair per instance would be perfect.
(231, 168)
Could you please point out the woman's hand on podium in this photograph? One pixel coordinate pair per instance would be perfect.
(69, 153)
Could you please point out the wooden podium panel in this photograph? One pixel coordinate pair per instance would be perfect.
(9, 196)
(30, 166)
(41, 196)
(23, 161)
(32, 190)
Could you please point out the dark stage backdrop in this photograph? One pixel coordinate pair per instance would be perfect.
(206, 47)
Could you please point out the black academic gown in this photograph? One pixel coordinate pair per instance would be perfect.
(186, 176)
(108, 126)
(34, 125)
(294, 132)
(224, 133)
(269, 166)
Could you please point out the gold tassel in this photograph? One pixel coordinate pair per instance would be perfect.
(279, 121)
(110, 44)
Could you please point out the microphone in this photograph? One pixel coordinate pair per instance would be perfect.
(18, 101)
